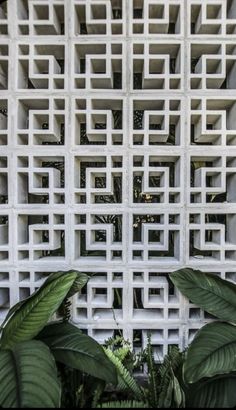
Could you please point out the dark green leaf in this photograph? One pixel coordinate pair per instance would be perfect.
(55, 330)
(79, 351)
(170, 393)
(212, 352)
(215, 394)
(211, 293)
(178, 393)
(80, 281)
(28, 377)
(28, 320)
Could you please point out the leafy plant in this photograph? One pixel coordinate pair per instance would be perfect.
(164, 387)
(152, 375)
(122, 349)
(211, 358)
(31, 350)
(125, 380)
(170, 392)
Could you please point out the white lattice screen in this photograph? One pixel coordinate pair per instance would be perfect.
(118, 156)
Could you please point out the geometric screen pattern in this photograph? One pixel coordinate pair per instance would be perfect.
(118, 156)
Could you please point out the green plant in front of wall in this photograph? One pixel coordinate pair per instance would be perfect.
(202, 377)
(31, 350)
(210, 367)
(162, 388)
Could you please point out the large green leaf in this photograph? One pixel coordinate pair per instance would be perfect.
(28, 377)
(212, 352)
(18, 305)
(79, 351)
(80, 281)
(56, 330)
(26, 321)
(214, 394)
(210, 292)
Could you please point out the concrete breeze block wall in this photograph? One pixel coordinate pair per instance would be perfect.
(118, 156)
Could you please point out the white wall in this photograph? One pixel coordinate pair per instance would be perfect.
(117, 150)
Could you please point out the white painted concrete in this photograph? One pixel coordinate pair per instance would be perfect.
(117, 150)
